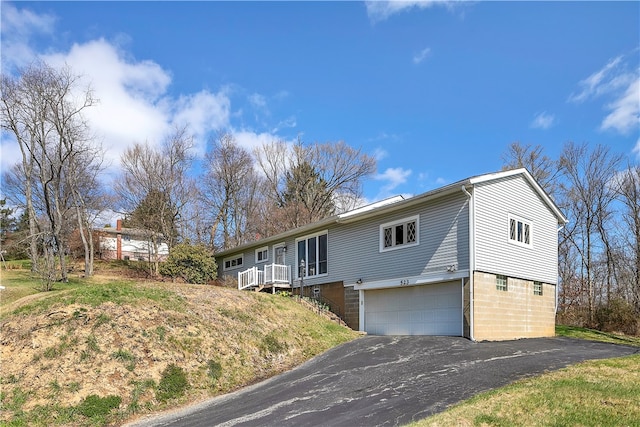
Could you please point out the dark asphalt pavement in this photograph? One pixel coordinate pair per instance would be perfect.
(385, 381)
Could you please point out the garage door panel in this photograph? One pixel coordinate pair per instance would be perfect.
(418, 310)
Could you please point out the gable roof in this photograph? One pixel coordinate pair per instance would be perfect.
(398, 202)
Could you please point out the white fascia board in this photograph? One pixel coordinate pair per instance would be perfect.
(403, 282)
(524, 172)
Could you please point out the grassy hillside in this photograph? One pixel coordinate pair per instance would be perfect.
(100, 351)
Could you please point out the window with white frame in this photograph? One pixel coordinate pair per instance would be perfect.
(399, 234)
(519, 231)
(234, 262)
(537, 288)
(262, 254)
(501, 283)
(313, 250)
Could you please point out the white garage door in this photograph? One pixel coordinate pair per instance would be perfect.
(414, 310)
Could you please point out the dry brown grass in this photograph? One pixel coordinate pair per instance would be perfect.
(113, 337)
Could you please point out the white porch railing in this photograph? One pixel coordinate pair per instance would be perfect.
(250, 278)
(276, 273)
(272, 274)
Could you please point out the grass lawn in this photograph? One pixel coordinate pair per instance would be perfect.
(594, 393)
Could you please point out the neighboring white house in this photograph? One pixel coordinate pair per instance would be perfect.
(129, 244)
(477, 258)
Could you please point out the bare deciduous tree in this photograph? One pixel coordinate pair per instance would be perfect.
(587, 194)
(155, 185)
(306, 182)
(231, 192)
(542, 168)
(629, 195)
(43, 108)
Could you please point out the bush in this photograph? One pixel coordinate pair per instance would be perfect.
(193, 263)
(617, 315)
(214, 370)
(172, 384)
(96, 406)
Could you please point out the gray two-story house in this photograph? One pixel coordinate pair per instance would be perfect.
(477, 258)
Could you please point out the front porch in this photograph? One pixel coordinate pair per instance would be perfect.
(274, 276)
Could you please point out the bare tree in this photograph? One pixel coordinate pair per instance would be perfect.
(542, 168)
(155, 188)
(231, 192)
(629, 195)
(43, 108)
(587, 195)
(306, 182)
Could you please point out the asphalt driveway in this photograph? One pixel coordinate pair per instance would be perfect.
(380, 381)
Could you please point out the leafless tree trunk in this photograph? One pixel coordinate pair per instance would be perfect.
(231, 191)
(543, 169)
(43, 109)
(629, 195)
(310, 182)
(155, 188)
(587, 195)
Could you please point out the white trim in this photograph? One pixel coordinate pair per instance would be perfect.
(361, 310)
(403, 282)
(391, 224)
(233, 258)
(262, 249)
(305, 238)
(525, 222)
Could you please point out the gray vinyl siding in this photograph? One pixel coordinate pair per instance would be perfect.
(443, 241)
(354, 248)
(494, 201)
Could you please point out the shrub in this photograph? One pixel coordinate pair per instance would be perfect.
(193, 263)
(172, 384)
(214, 370)
(96, 406)
(617, 315)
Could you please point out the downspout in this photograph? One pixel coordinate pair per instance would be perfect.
(558, 281)
(472, 258)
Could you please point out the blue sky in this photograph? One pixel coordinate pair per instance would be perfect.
(436, 91)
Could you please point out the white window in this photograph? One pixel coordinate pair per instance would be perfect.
(313, 250)
(399, 234)
(501, 283)
(262, 254)
(520, 231)
(233, 262)
(537, 288)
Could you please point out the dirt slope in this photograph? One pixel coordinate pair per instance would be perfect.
(56, 358)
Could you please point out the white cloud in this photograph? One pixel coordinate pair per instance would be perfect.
(380, 153)
(382, 10)
(421, 56)
(16, 29)
(394, 178)
(625, 110)
(597, 83)
(636, 149)
(134, 100)
(543, 121)
(203, 112)
(619, 83)
(251, 140)
(258, 101)
(133, 105)
(441, 181)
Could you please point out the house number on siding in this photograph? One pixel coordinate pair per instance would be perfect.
(404, 282)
